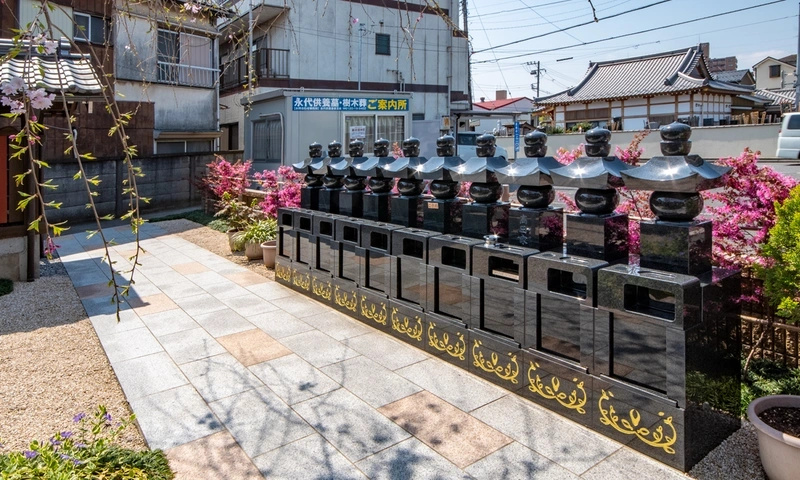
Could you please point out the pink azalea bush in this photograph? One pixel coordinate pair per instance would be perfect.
(282, 189)
(635, 203)
(225, 177)
(566, 157)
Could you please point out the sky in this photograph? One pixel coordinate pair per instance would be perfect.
(750, 35)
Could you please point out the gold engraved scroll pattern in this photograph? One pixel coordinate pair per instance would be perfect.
(456, 349)
(372, 312)
(343, 299)
(300, 280)
(509, 372)
(284, 273)
(630, 426)
(551, 392)
(404, 326)
(321, 289)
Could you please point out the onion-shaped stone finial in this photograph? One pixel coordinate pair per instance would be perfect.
(410, 187)
(485, 145)
(446, 146)
(356, 148)
(315, 150)
(411, 147)
(597, 142)
(535, 144)
(335, 149)
(381, 148)
(675, 139)
(381, 184)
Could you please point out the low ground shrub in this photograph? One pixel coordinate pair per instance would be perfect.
(6, 286)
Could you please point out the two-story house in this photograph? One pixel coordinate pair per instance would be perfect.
(387, 53)
(776, 73)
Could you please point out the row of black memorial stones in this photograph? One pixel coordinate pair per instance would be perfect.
(646, 354)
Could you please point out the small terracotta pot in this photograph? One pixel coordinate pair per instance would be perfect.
(269, 249)
(780, 453)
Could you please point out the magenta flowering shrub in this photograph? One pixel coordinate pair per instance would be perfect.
(282, 189)
(566, 157)
(743, 211)
(635, 203)
(226, 177)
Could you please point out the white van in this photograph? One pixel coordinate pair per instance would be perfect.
(789, 136)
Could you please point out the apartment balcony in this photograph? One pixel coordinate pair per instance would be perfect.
(268, 63)
(187, 75)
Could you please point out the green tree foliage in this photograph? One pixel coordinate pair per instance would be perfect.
(782, 277)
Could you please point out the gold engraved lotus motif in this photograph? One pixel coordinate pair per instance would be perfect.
(454, 350)
(321, 289)
(551, 392)
(630, 426)
(414, 332)
(510, 372)
(343, 300)
(284, 273)
(372, 312)
(300, 280)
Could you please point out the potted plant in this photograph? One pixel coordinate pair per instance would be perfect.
(254, 234)
(238, 215)
(777, 421)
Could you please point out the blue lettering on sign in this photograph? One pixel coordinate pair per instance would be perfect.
(335, 104)
(516, 136)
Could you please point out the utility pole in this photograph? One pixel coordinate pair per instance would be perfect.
(469, 57)
(797, 70)
(536, 71)
(361, 32)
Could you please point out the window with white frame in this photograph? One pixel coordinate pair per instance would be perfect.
(267, 135)
(390, 127)
(90, 28)
(185, 59)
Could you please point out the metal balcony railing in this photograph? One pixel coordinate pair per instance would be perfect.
(267, 63)
(191, 76)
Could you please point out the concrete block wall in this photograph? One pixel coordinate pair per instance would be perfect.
(13, 258)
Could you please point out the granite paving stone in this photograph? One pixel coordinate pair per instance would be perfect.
(107, 324)
(170, 321)
(410, 460)
(253, 346)
(180, 289)
(279, 324)
(451, 384)
(301, 307)
(260, 421)
(147, 375)
(200, 304)
(317, 348)
(518, 462)
(626, 464)
(457, 436)
(249, 304)
(336, 325)
(385, 350)
(223, 322)
(293, 379)
(174, 417)
(245, 278)
(189, 267)
(562, 441)
(190, 345)
(152, 304)
(311, 457)
(134, 343)
(369, 381)
(219, 376)
(214, 456)
(102, 306)
(271, 291)
(353, 427)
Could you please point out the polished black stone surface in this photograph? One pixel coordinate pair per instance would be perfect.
(348, 234)
(528, 171)
(438, 168)
(346, 297)
(324, 246)
(679, 247)
(498, 360)
(559, 306)
(602, 237)
(351, 203)
(407, 211)
(378, 206)
(309, 197)
(329, 200)
(499, 277)
(304, 252)
(542, 229)
(303, 220)
(375, 256)
(443, 216)
(590, 172)
(286, 218)
(447, 339)
(449, 268)
(287, 244)
(373, 309)
(283, 271)
(403, 167)
(558, 385)
(478, 169)
(479, 220)
(409, 277)
(406, 324)
(321, 288)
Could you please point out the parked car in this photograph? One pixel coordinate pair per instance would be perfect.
(789, 136)
(467, 146)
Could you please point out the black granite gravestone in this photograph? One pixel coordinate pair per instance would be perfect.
(378, 202)
(406, 209)
(442, 213)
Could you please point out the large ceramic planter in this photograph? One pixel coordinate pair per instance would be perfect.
(252, 251)
(780, 453)
(231, 239)
(269, 249)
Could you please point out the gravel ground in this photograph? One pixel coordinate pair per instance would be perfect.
(51, 363)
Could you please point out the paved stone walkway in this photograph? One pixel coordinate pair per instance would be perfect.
(237, 377)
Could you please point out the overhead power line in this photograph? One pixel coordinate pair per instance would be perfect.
(631, 34)
(574, 26)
